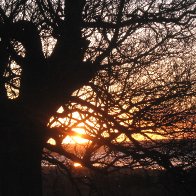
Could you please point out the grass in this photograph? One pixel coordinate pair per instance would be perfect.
(121, 183)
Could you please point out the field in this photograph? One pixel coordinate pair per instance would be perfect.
(121, 183)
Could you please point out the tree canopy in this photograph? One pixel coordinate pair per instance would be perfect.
(123, 71)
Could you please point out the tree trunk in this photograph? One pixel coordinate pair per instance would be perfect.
(20, 162)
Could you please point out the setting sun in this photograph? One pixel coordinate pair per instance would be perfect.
(75, 138)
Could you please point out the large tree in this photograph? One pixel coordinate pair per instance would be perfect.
(123, 70)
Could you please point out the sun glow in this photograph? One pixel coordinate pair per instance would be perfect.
(77, 134)
(77, 165)
(75, 139)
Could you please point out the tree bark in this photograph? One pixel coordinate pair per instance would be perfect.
(20, 162)
(44, 85)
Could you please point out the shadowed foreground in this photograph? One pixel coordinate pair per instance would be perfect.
(121, 183)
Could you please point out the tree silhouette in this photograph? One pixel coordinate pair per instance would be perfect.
(125, 68)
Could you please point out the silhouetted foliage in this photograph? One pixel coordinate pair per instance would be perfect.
(122, 71)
